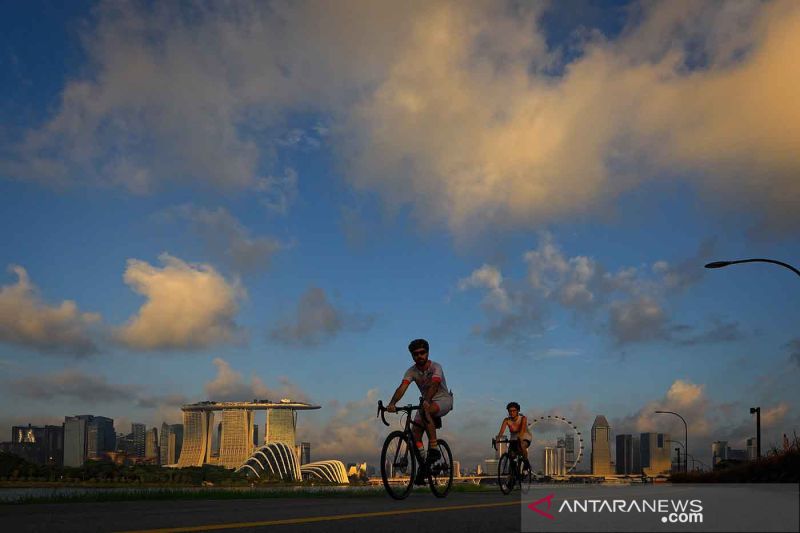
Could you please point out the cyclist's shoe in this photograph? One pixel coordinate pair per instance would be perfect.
(433, 455)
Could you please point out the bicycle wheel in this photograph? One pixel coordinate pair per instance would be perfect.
(440, 473)
(506, 474)
(398, 465)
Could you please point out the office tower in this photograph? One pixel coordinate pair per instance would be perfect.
(138, 431)
(151, 451)
(101, 437)
(457, 468)
(75, 440)
(54, 445)
(303, 451)
(752, 449)
(655, 453)
(174, 443)
(719, 451)
(163, 444)
(569, 449)
(236, 437)
(601, 451)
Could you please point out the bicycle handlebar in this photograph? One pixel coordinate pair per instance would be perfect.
(408, 409)
(495, 442)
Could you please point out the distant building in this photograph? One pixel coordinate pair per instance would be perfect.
(457, 468)
(626, 450)
(719, 451)
(601, 451)
(554, 461)
(737, 455)
(163, 444)
(138, 432)
(303, 451)
(489, 467)
(43, 445)
(151, 451)
(752, 448)
(280, 426)
(174, 443)
(655, 453)
(569, 449)
(87, 437)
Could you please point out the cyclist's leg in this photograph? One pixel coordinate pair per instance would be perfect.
(524, 444)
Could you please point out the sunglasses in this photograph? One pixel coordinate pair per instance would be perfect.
(419, 352)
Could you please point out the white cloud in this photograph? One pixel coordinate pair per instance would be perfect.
(230, 385)
(488, 277)
(187, 307)
(26, 320)
(452, 107)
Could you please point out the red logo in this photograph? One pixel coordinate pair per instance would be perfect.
(549, 500)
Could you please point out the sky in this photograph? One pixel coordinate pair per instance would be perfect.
(228, 201)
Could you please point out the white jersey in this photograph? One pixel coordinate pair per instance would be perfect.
(424, 378)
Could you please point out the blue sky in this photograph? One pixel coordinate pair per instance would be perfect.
(201, 203)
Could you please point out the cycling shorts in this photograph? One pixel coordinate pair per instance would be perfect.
(445, 404)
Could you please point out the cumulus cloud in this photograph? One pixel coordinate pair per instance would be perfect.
(462, 110)
(226, 239)
(26, 320)
(72, 384)
(317, 320)
(230, 385)
(187, 307)
(630, 302)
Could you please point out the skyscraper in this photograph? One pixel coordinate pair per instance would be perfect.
(174, 443)
(138, 431)
(151, 451)
(719, 451)
(601, 451)
(87, 437)
(655, 453)
(163, 444)
(752, 454)
(75, 440)
(101, 437)
(569, 448)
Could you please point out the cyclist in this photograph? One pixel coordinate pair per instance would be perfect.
(517, 425)
(437, 399)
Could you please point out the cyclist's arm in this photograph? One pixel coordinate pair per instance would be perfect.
(398, 394)
(502, 428)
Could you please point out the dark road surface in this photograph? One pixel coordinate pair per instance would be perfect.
(490, 511)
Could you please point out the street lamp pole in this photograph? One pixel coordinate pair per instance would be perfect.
(685, 436)
(757, 411)
(721, 264)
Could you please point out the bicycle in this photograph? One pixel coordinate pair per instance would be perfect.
(511, 468)
(402, 464)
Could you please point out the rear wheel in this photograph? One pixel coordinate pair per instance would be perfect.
(506, 474)
(440, 473)
(526, 478)
(398, 465)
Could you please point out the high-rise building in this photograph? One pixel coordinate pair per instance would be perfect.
(138, 431)
(569, 448)
(601, 451)
(280, 426)
(174, 443)
(101, 437)
(303, 451)
(752, 454)
(54, 445)
(719, 451)
(163, 444)
(655, 453)
(457, 468)
(554, 461)
(151, 451)
(75, 440)
(629, 455)
(236, 438)
(43, 445)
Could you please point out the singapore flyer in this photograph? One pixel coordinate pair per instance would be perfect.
(574, 453)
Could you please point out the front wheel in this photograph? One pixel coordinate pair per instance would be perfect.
(526, 478)
(440, 473)
(506, 474)
(398, 465)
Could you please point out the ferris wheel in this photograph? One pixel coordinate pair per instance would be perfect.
(577, 453)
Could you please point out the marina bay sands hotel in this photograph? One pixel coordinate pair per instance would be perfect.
(236, 439)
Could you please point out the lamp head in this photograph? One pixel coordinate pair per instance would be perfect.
(718, 264)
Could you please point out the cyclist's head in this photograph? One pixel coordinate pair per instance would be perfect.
(419, 351)
(512, 405)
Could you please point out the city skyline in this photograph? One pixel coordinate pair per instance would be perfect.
(276, 210)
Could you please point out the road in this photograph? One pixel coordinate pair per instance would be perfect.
(484, 511)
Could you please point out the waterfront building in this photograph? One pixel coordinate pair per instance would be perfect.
(655, 453)
(719, 451)
(601, 450)
(138, 432)
(554, 461)
(151, 452)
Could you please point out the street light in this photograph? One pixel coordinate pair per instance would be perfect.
(757, 411)
(685, 436)
(721, 264)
